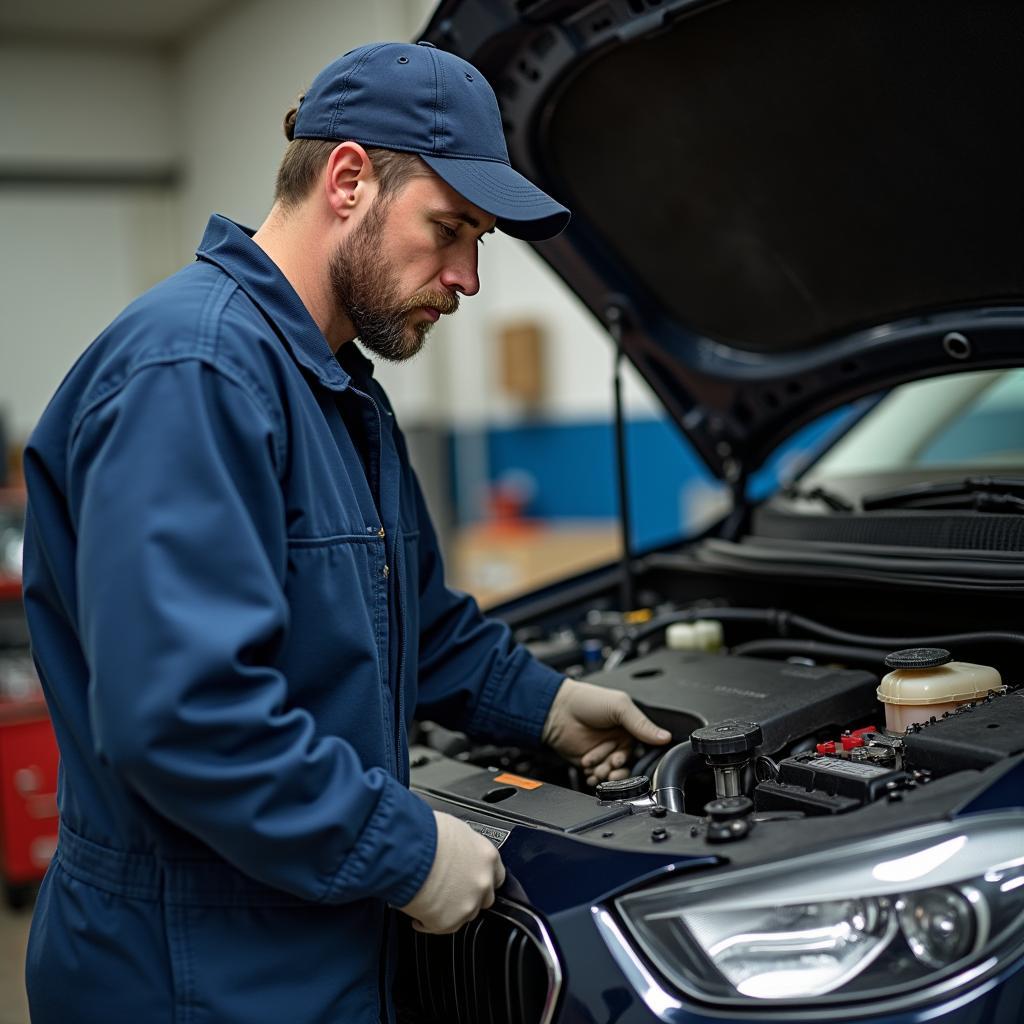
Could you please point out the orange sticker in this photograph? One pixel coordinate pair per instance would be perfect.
(518, 780)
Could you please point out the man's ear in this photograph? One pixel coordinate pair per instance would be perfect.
(349, 172)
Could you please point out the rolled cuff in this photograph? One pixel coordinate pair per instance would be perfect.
(515, 705)
(395, 850)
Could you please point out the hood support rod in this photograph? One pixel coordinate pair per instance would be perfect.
(627, 585)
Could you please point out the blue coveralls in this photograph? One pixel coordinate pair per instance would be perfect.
(236, 604)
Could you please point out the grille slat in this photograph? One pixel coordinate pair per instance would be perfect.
(499, 969)
(459, 993)
(469, 960)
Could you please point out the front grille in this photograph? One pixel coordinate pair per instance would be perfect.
(499, 969)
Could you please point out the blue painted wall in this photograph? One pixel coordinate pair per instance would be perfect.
(572, 465)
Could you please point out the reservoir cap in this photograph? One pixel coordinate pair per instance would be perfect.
(918, 657)
(624, 789)
(728, 737)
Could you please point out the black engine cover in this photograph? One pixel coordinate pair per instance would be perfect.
(683, 690)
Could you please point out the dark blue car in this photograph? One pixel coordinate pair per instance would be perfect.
(782, 208)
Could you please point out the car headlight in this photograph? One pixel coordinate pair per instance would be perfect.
(941, 905)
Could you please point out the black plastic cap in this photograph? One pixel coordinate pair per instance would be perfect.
(624, 789)
(728, 737)
(728, 808)
(918, 657)
(728, 831)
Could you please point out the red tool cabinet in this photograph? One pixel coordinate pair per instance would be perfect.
(28, 750)
(28, 796)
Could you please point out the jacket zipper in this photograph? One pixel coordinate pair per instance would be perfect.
(400, 681)
(395, 751)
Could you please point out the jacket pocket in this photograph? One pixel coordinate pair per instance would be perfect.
(335, 656)
(96, 957)
(268, 965)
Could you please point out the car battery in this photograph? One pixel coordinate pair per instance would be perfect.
(28, 795)
(817, 784)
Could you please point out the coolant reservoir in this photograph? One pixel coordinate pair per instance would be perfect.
(701, 635)
(926, 681)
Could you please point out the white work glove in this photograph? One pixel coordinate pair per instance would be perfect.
(596, 728)
(462, 879)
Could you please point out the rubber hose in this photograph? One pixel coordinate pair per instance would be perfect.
(647, 762)
(894, 643)
(669, 776)
(812, 649)
(782, 622)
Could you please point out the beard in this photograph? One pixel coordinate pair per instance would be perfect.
(366, 288)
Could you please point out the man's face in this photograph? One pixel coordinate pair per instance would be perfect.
(405, 264)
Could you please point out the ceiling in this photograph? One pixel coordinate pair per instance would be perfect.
(149, 22)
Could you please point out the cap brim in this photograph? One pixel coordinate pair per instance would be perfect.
(522, 210)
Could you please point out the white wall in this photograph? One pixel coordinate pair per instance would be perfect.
(71, 256)
(88, 106)
(69, 262)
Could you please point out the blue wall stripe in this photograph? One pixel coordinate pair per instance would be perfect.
(572, 466)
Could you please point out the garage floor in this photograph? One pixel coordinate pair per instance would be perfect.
(13, 936)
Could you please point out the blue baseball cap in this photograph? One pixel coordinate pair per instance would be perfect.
(416, 98)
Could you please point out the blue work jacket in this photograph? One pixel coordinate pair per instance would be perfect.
(236, 603)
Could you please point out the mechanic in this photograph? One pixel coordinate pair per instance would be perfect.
(236, 597)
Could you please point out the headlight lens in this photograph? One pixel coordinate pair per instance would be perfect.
(940, 924)
(805, 949)
(931, 906)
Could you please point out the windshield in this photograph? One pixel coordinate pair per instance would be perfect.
(935, 429)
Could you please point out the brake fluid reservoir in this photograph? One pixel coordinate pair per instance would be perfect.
(926, 681)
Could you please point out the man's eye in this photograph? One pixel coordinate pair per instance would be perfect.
(447, 231)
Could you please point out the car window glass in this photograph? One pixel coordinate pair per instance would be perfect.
(989, 432)
(969, 421)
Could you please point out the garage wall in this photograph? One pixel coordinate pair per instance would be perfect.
(75, 246)
(74, 106)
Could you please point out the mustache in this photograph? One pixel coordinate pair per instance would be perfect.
(444, 302)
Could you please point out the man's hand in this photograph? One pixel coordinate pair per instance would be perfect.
(462, 880)
(596, 728)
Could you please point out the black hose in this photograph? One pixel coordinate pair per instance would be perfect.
(895, 643)
(784, 623)
(669, 776)
(774, 648)
(646, 763)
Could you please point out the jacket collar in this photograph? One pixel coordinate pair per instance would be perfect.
(355, 363)
(230, 246)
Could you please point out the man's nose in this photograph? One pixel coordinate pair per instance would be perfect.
(461, 275)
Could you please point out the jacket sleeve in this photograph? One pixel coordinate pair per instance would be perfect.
(473, 676)
(182, 552)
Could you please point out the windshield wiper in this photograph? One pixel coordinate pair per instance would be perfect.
(980, 493)
(834, 501)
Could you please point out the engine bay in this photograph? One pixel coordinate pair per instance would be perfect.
(782, 725)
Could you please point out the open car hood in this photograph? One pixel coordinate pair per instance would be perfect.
(778, 205)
